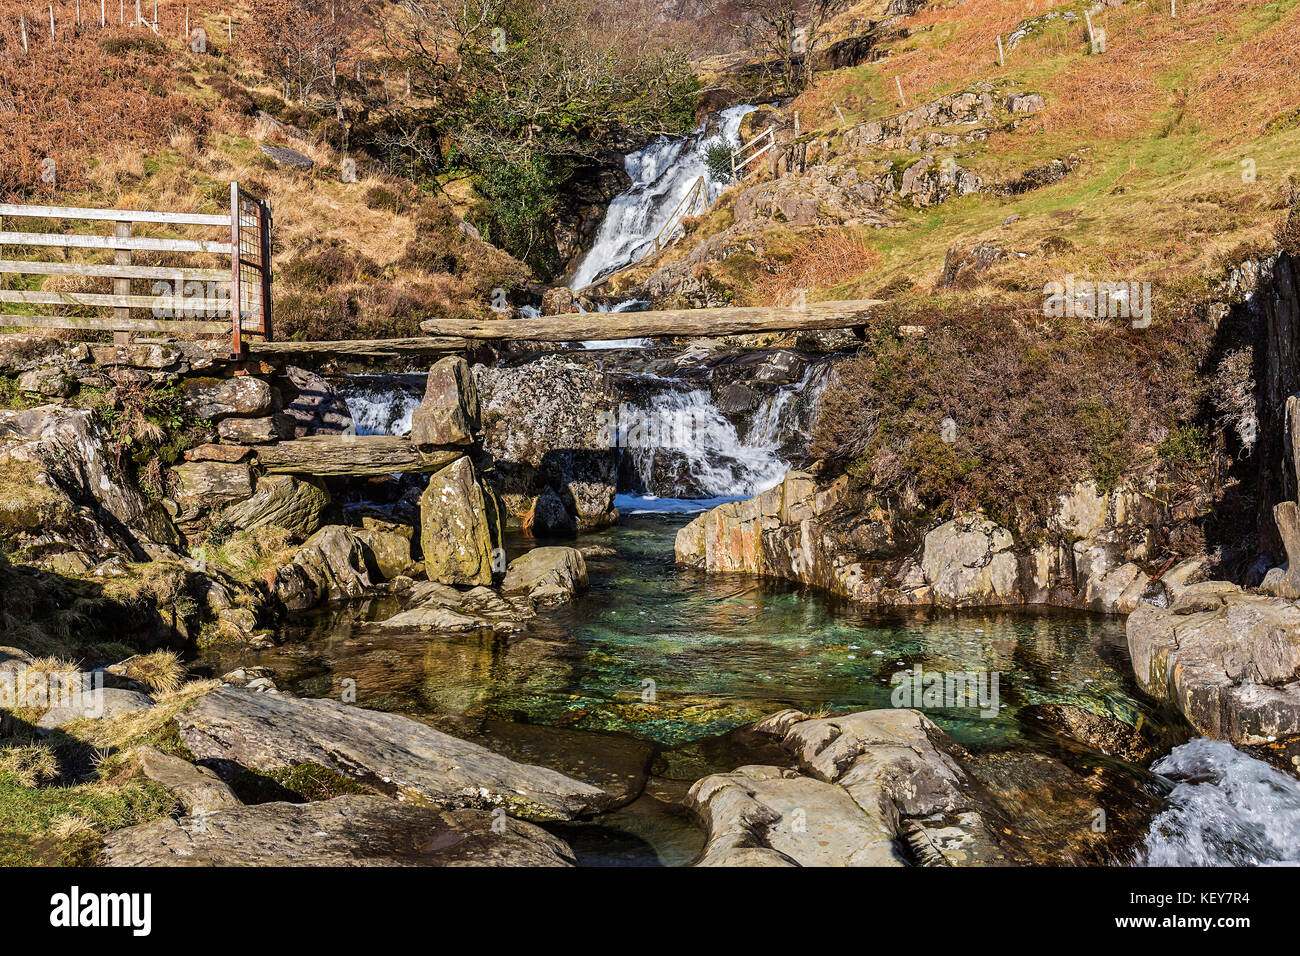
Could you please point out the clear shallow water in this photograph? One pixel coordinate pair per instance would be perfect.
(720, 651)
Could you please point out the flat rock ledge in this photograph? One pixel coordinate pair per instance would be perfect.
(867, 784)
(1229, 660)
(343, 831)
(403, 758)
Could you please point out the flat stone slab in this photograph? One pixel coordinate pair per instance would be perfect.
(343, 831)
(394, 754)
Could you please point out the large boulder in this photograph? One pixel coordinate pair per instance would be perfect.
(388, 752)
(460, 526)
(549, 576)
(344, 831)
(868, 784)
(440, 607)
(1229, 660)
(449, 413)
(542, 423)
(334, 563)
(285, 501)
(203, 487)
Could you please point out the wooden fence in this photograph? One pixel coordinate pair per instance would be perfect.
(183, 299)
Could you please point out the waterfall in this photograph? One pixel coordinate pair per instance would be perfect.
(780, 417)
(1226, 809)
(380, 404)
(662, 174)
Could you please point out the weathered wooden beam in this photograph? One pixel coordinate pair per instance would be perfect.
(95, 270)
(105, 323)
(337, 456)
(176, 304)
(113, 242)
(604, 326)
(113, 215)
(362, 347)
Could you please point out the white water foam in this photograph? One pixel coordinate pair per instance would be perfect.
(380, 409)
(1227, 809)
(662, 174)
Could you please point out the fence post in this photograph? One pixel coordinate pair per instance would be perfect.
(237, 340)
(264, 216)
(22, 25)
(122, 286)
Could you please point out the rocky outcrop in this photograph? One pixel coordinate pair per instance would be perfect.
(542, 425)
(395, 755)
(874, 788)
(807, 530)
(1229, 660)
(343, 831)
(102, 511)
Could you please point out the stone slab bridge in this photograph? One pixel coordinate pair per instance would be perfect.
(327, 456)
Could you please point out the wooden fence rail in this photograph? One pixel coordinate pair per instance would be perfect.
(183, 300)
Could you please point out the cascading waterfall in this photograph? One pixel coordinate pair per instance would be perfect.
(1226, 809)
(379, 404)
(662, 174)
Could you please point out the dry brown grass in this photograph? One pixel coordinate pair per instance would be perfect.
(161, 671)
(823, 262)
(31, 766)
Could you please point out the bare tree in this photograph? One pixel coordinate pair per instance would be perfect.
(789, 31)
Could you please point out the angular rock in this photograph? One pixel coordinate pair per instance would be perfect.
(460, 526)
(449, 413)
(335, 563)
(204, 485)
(549, 576)
(216, 398)
(284, 156)
(391, 753)
(1230, 661)
(255, 431)
(285, 501)
(350, 830)
(198, 789)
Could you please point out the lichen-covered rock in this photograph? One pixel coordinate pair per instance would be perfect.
(255, 431)
(440, 607)
(217, 398)
(285, 501)
(542, 424)
(969, 562)
(389, 544)
(201, 487)
(449, 413)
(460, 526)
(351, 830)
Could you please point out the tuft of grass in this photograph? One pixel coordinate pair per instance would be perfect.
(162, 670)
